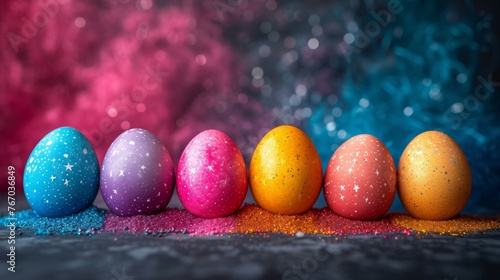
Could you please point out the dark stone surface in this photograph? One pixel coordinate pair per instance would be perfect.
(258, 256)
(127, 257)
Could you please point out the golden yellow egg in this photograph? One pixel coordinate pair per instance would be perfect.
(434, 177)
(285, 171)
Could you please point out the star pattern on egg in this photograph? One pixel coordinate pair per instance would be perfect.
(137, 175)
(62, 173)
(68, 166)
(360, 180)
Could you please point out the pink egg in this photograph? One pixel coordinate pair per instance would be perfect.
(211, 176)
(360, 180)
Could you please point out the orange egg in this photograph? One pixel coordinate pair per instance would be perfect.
(434, 178)
(285, 171)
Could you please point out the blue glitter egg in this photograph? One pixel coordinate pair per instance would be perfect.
(62, 174)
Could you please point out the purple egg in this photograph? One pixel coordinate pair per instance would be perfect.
(137, 174)
(211, 177)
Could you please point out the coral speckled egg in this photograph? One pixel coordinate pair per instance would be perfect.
(62, 174)
(137, 174)
(211, 175)
(434, 177)
(360, 180)
(285, 171)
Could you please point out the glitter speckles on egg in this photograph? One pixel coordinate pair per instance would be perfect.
(137, 175)
(360, 179)
(285, 171)
(434, 178)
(62, 174)
(211, 175)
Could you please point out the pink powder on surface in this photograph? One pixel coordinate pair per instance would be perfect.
(171, 220)
(330, 223)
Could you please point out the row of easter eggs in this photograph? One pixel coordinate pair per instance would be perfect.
(137, 176)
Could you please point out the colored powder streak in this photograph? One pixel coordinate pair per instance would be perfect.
(249, 219)
(84, 222)
(334, 224)
(252, 218)
(460, 225)
(170, 220)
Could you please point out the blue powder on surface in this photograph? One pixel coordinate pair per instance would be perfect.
(85, 222)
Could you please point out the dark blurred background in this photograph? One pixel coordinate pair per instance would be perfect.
(333, 68)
